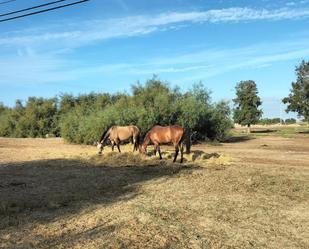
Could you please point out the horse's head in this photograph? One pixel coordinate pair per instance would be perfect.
(100, 148)
(142, 149)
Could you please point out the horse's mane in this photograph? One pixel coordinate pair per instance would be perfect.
(103, 135)
(147, 132)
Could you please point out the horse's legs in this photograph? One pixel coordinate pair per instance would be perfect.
(181, 152)
(176, 152)
(134, 144)
(159, 151)
(157, 148)
(137, 141)
(113, 145)
(118, 147)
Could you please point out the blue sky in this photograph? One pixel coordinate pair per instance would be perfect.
(106, 46)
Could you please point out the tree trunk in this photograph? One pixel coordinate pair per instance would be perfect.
(248, 129)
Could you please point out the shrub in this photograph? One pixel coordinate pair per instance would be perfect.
(154, 103)
(84, 118)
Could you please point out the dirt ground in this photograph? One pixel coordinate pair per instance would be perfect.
(248, 192)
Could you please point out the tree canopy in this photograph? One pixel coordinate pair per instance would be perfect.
(82, 119)
(247, 103)
(298, 99)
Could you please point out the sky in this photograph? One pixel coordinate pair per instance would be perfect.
(106, 46)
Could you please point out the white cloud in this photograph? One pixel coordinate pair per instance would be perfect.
(83, 33)
(200, 65)
(36, 55)
(290, 3)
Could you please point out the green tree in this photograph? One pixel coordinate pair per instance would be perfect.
(16, 127)
(2, 108)
(5, 128)
(155, 102)
(66, 104)
(290, 121)
(39, 117)
(298, 99)
(83, 118)
(247, 103)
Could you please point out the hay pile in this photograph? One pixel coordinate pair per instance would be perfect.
(127, 157)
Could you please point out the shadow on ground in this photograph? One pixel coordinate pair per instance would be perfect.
(238, 139)
(50, 185)
(304, 132)
(264, 131)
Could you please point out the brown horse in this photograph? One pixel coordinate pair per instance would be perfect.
(120, 133)
(162, 135)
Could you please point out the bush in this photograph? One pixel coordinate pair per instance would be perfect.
(154, 103)
(84, 118)
(290, 121)
(269, 121)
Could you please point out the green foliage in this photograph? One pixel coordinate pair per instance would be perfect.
(270, 121)
(290, 121)
(151, 104)
(247, 102)
(2, 108)
(298, 99)
(36, 119)
(220, 122)
(4, 121)
(83, 103)
(83, 119)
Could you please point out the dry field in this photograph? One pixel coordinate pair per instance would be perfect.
(249, 192)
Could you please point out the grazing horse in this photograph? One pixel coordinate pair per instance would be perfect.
(162, 135)
(120, 133)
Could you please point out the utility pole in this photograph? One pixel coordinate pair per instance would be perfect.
(280, 107)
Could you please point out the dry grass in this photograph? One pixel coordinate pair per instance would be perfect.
(288, 131)
(250, 193)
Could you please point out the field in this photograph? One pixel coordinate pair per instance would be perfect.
(248, 192)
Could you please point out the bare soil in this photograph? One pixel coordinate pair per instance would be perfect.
(249, 192)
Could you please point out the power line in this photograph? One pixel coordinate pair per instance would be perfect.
(42, 11)
(31, 8)
(4, 2)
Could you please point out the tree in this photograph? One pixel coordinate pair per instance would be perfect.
(2, 108)
(290, 121)
(4, 120)
(83, 118)
(247, 103)
(298, 99)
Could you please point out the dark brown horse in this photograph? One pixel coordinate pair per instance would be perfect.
(158, 135)
(120, 133)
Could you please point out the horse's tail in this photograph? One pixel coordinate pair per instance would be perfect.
(186, 140)
(137, 135)
(138, 138)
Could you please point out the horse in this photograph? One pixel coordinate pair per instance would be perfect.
(162, 135)
(120, 133)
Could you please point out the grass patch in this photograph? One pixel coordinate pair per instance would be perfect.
(286, 131)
